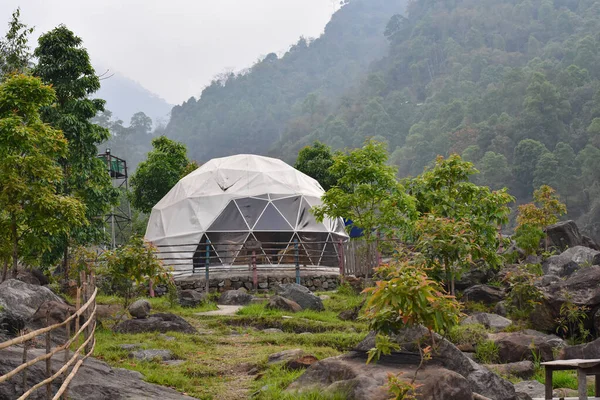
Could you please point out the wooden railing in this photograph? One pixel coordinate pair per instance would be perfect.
(360, 258)
(86, 294)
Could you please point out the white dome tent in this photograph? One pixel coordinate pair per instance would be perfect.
(233, 200)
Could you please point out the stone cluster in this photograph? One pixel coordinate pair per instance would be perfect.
(317, 282)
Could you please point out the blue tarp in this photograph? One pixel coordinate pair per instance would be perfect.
(354, 232)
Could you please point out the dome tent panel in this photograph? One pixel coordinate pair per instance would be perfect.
(289, 207)
(274, 244)
(251, 209)
(227, 244)
(230, 219)
(272, 220)
(307, 221)
(181, 218)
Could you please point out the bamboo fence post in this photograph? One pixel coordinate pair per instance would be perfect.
(65, 396)
(49, 359)
(25, 370)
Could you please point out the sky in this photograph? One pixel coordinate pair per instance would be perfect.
(174, 47)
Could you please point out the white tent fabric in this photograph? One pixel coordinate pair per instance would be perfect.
(231, 200)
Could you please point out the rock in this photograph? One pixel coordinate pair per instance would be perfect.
(130, 347)
(582, 289)
(533, 389)
(571, 260)
(286, 355)
(596, 321)
(281, 303)
(272, 330)
(54, 311)
(95, 380)
(585, 351)
(518, 346)
(234, 298)
(589, 242)
(324, 296)
(166, 338)
(500, 308)
(547, 280)
(139, 309)
(357, 284)
(481, 380)
(352, 314)
(22, 299)
(564, 234)
(191, 298)
(521, 369)
(301, 295)
(150, 355)
(483, 294)
(301, 363)
(474, 276)
(349, 373)
(160, 322)
(490, 321)
(174, 363)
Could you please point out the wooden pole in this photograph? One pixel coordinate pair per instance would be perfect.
(207, 265)
(25, 346)
(341, 260)
(49, 359)
(254, 271)
(297, 261)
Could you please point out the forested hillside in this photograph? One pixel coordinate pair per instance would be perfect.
(249, 111)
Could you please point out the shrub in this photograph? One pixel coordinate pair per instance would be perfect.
(487, 352)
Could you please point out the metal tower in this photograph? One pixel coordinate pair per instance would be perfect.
(119, 220)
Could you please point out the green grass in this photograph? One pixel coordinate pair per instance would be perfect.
(160, 304)
(467, 334)
(486, 352)
(217, 360)
(561, 380)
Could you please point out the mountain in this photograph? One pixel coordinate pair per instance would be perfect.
(125, 97)
(249, 111)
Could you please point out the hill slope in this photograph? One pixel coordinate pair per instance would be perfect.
(248, 112)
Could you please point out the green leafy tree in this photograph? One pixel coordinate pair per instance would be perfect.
(32, 207)
(367, 193)
(14, 51)
(64, 63)
(315, 161)
(459, 219)
(526, 157)
(546, 171)
(166, 164)
(495, 171)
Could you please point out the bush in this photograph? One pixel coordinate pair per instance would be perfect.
(467, 334)
(487, 352)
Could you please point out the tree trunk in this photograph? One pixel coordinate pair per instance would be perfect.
(5, 271)
(151, 287)
(66, 261)
(15, 249)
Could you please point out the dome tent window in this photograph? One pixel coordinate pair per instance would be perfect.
(211, 213)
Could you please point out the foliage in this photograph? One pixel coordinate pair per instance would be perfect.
(316, 161)
(65, 64)
(460, 220)
(367, 192)
(133, 264)
(487, 352)
(523, 295)
(534, 218)
(14, 50)
(571, 321)
(166, 164)
(32, 207)
(467, 334)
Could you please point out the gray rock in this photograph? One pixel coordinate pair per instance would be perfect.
(286, 355)
(301, 295)
(191, 298)
(518, 346)
(585, 351)
(484, 294)
(564, 234)
(150, 355)
(272, 330)
(281, 303)
(19, 301)
(235, 298)
(140, 309)
(490, 321)
(547, 280)
(500, 308)
(160, 322)
(174, 363)
(570, 261)
(531, 388)
(481, 380)
(474, 276)
(521, 369)
(95, 380)
(363, 381)
(130, 347)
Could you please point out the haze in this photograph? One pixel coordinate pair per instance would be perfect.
(174, 48)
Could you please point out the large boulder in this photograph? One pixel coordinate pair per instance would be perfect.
(564, 234)
(582, 289)
(571, 260)
(481, 380)
(521, 369)
(19, 302)
(161, 322)
(191, 298)
(490, 321)
(140, 309)
(362, 381)
(585, 351)
(533, 389)
(484, 294)
(281, 303)
(234, 298)
(474, 276)
(152, 355)
(301, 295)
(518, 346)
(95, 380)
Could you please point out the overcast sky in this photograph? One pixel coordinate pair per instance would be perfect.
(174, 47)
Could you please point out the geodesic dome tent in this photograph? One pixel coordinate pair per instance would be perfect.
(228, 202)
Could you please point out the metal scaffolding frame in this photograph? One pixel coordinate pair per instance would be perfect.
(119, 218)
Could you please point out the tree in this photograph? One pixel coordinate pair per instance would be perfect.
(65, 64)
(459, 220)
(546, 171)
(495, 171)
(527, 155)
(367, 193)
(14, 51)
(31, 204)
(164, 167)
(315, 162)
